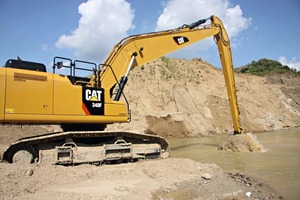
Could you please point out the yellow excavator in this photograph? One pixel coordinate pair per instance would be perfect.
(84, 105)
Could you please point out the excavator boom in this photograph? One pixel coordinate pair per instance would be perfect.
(137, 50)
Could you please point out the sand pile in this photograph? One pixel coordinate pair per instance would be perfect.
(169, 126)
(242, 143)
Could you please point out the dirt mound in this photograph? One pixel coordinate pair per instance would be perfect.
(170, 126)
(194, 92)
(242, 143)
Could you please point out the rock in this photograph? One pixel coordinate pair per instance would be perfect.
(248, 194)
(29, 172)
(232, 196)
(206, 176)
(166, 190)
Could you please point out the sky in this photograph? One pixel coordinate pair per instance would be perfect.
(38, 30)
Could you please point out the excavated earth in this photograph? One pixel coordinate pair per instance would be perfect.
(182, 98)
(174, 99)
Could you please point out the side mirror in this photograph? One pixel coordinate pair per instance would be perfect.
(59, 65)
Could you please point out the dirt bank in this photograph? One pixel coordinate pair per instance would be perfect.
(154, 179)
(191, 96)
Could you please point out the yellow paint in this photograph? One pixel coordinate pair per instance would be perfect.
(94, 99)
(2, 93)
(29, 91)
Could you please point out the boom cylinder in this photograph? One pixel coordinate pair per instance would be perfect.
(124, 79)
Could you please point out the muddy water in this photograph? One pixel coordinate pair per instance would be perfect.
(279, 166)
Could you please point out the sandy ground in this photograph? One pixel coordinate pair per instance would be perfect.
(170, 178)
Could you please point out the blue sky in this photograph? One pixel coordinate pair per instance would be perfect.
(38, 30)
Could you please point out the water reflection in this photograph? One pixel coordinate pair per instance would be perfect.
(279, 166)
(190, 145)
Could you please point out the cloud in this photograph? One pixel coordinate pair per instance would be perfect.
(179, 12)
(102, 24)
(293, 64)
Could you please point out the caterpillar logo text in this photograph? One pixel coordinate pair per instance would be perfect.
(93, 101)
(179, 40)
(93, 95)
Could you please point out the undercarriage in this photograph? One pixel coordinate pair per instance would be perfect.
(95, 147)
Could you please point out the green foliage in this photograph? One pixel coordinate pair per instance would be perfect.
(264, 67)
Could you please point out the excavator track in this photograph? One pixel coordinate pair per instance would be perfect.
(96, 147)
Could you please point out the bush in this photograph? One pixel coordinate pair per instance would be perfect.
(264, 67)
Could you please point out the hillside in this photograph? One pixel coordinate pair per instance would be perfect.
(265, 67)
(187, 98)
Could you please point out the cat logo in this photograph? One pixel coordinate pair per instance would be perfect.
(93, 101)
(93, 95)
(179, 40)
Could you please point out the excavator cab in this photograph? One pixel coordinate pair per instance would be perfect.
(78, 75)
